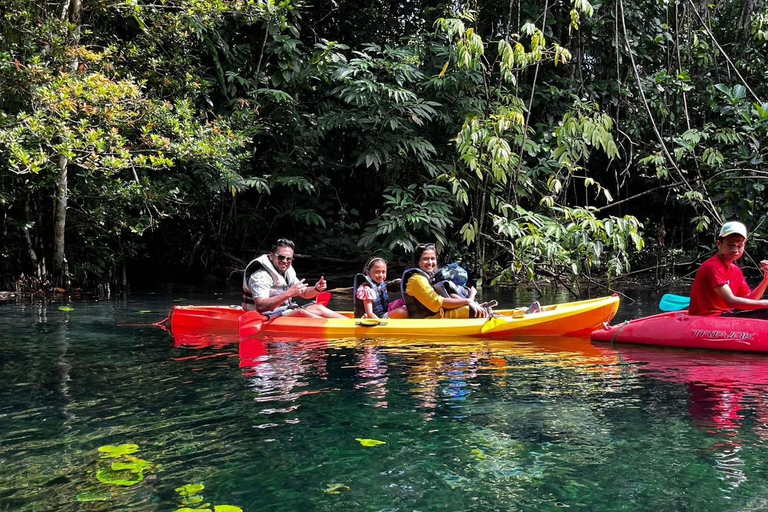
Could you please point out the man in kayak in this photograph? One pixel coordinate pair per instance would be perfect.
(270, 285)
(720, 287)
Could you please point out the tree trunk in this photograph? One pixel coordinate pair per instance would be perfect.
(60, 220)
(72, 12)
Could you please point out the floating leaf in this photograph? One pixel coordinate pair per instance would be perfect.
(185, 509)
(478, 453)
(112, 451)
(192, 500)
(369, 442)
(66, 308)
(227, 508)
(110, 477)
(190, 489)
(145, 311)
(94, 496)
(135, 466)
(336, 488)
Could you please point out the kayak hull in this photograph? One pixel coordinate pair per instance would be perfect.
(679, 329)
(569, 319)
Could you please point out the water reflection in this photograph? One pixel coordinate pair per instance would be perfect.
(438, 372)
(727, 396)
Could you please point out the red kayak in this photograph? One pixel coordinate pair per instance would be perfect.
(679, 329)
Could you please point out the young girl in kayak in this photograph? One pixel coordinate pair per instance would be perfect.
(421, 299)
(371, 299)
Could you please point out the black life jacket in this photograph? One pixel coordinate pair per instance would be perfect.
(415, 308)
(380, 304)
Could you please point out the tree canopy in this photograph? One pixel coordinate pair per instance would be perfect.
(557, 138)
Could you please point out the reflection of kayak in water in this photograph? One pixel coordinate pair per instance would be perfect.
(496, 355)
(722, 387)
(715, 370)
(198, 340)
(679, 329)
(572, 318)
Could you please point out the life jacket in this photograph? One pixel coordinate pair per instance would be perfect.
(280, 283)
(415, 308)
(380, 304)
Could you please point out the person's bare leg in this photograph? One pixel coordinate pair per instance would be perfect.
(398, 313)
(322, 311)
(302, 312)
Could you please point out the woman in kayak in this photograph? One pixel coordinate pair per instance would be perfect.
(421, 299)
(720, 287)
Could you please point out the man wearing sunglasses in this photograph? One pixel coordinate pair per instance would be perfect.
(270, 285)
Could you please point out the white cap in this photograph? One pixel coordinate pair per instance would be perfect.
(733, 228)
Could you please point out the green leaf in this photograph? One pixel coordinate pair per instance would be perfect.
(111, 451)
(369, 442)
(190, 489)
(121, 478)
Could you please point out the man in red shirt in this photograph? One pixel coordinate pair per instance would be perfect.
(720, 286)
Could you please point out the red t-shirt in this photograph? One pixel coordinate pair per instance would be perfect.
(711, 275)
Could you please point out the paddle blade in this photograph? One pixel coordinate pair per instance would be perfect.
(250, 324)
(670, 302)
(323, 298)
(492, 323)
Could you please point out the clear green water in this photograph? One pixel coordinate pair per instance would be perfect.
(533, 425)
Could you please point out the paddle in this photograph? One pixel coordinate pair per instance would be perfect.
(670, 302)
(323, 298)
(497, 321)
(250, 324)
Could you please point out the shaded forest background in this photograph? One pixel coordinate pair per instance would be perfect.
(530, 139)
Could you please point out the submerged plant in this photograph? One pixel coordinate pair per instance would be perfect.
(116, 467)
(126, 471)
(189, 497)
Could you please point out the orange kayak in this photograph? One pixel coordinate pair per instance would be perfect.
(567, 319)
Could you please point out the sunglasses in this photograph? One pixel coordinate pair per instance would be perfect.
(282, 258)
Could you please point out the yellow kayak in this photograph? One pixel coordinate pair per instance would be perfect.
(567, 319)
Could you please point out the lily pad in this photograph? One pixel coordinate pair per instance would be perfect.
(192, 500)
(112, 451)
(190, 489)
(134, 466)
(144, 311)
(336, 488)
(122, 478)
(94, 496)
(66, 308)
(227, 508)
(369, 442)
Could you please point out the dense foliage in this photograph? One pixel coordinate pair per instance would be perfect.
(530, 138)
